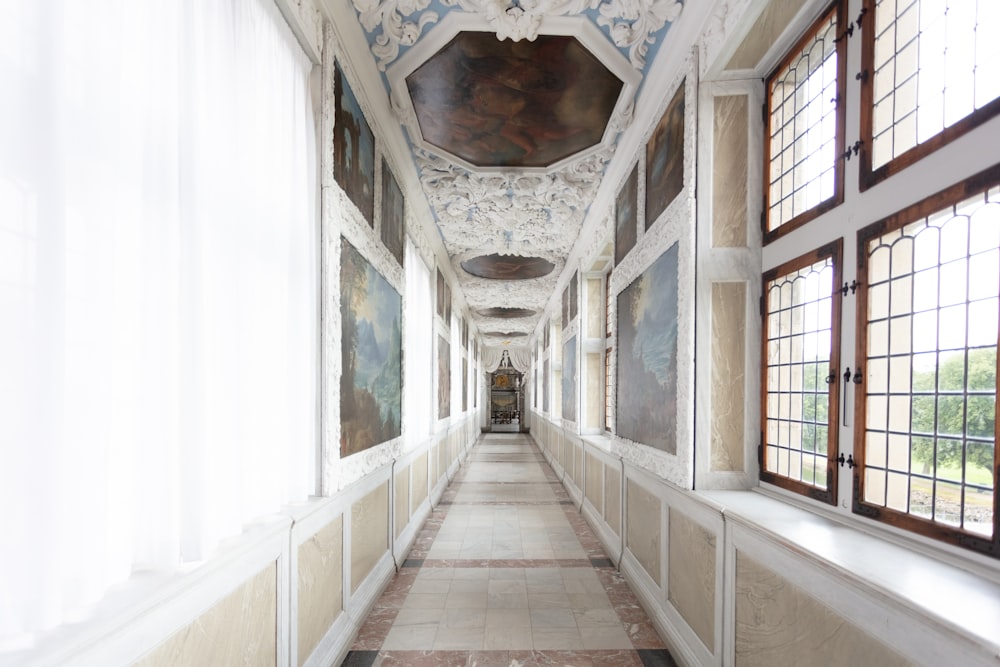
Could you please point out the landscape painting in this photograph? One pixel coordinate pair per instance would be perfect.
(392, 214)
(626, 216)
(444, 378)
(665, 159)
(574, 299)
(545, 386)
(371, 344)
(443, 294)
(647, 356)
(465, 384)
(569, 380)
(353, 148)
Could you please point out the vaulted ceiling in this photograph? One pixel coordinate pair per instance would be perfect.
(514, 114)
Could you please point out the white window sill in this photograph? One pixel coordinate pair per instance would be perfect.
(963, 601)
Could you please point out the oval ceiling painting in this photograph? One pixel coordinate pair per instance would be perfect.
(506, 313)
(508, 267)
(503, 103)
(507, 334)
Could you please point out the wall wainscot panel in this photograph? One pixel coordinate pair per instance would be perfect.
(642, 518)
(240, 630)
(778, 624)
(691, 577)
(369, 533)
(320, 585)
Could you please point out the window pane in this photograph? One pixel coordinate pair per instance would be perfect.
(931, 379)
(802, 105)
(798, 339)
(915, 45)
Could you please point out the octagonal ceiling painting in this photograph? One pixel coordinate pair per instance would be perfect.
(508, 267)
(503, 103)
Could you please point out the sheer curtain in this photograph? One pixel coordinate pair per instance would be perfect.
(158, 235)
(419, 365)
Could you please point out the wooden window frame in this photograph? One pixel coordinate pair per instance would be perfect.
(833, 250)
(869, 177)
(929, 206)
(838, 8)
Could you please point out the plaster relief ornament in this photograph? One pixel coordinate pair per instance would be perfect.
(510, 213)
(521, 19)
(633, 23)
(388, 15)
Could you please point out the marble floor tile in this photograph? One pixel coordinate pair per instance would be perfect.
(506, 571)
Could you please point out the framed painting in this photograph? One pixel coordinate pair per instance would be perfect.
(444, 378)
(574, 297)
(565, 307)
(569, 380)
(371, 347)
(626, 216)
(353, 148)
(393, 221)
(443, 296)
(465, 384)
(647, 356)
(528, 103)
(665, 159)
(545, 386)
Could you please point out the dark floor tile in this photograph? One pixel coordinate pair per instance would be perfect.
(359, 659)
(656, 657)
(413, 562)
(602, 562)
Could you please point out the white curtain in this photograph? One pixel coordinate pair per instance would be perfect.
(520, 358)
(419, 409)
(158, 235)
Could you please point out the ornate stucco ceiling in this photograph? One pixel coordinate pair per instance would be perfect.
(512, 111)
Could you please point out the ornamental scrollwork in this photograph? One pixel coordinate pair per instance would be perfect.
(396, 32)
(633, 24)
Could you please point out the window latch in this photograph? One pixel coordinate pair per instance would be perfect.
(852, 150)
(861, 16)
(849, 460)
(853, 287)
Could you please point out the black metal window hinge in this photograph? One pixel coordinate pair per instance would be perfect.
(852, 150)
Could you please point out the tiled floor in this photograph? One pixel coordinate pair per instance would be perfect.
(507, 573)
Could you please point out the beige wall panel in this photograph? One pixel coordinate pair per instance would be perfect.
(595, 483)
(594, 398)
(442, 466)
(578, 464)
(240, 630)
(691, 575)
(765, 32)
(642, 520)
(729, 177)
(728, 375)
(402, 500)
(435, 475)
(321, 585)
(595, 308)
(778, 624)
(613, 498)
(369, 533)
(419, 490)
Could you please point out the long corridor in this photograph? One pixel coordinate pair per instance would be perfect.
(507, 573)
